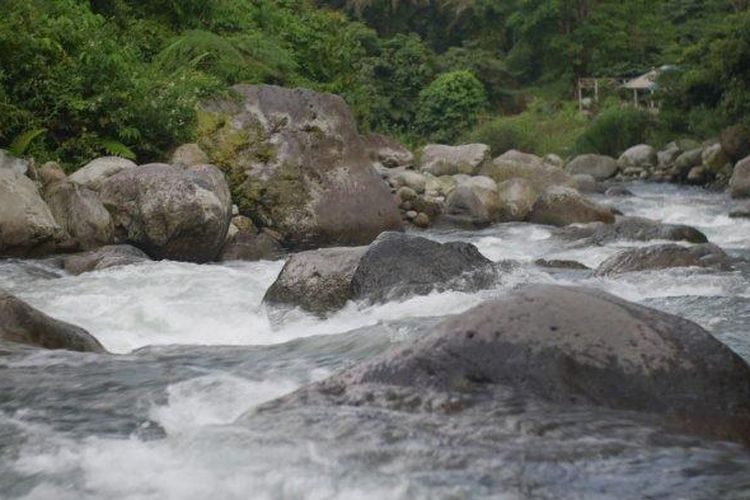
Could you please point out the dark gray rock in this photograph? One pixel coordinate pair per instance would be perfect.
(395, 265)
(78, 210)
(103, 258)
(562, 344)
(251, 247)
(739, 184)
(19, 322)
(560, 264)
(597, 166)
(631, 228)
(664, 257)
(618, 191)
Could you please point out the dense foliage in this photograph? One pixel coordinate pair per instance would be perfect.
(79, 78)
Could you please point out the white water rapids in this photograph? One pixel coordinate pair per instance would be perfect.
(171, 417)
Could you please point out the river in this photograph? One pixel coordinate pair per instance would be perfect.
(172, 415)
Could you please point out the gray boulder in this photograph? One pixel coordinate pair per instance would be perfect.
(587, 184)
(566, 345)
(642, 156)
(410, 179)
(514, 164)
(94, 173)
(475, 198)
(664, 257)
(252, 246)
(297, 165)
(78, 210)
(666, 157)
(439, 159)
(631, 228)
(739, 184)
(169, 212)
(735, 141)
(395, 265)
(685, 163)
(27, 227)
(714, 158)
(516, 198)
(388, 152)
(19, 322)
(104, 257)
(597, 166)
(560, 206)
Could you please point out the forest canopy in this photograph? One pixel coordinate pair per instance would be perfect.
(81, 78)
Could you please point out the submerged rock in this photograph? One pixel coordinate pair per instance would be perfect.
(19, 322)
(560, 264)
(395, 265)
(103, 258)
(296, 164)
(632, 228)
(27, 227)
(169, 212)
(664, 257)
(567, 345)
(560, 206)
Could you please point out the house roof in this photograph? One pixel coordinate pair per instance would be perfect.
(646, 81)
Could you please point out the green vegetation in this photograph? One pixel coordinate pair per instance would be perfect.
(81, 78)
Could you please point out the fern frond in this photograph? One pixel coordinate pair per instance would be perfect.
(22, 141)
(116, 148)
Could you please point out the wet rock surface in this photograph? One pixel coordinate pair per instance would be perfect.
(568, 345)
(395, 265)
(664, 257)
(19, 322)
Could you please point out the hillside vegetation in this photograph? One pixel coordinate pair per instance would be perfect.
(82, 78)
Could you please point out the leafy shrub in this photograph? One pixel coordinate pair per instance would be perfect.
(543, 128)
(450, 105)
(618, 128)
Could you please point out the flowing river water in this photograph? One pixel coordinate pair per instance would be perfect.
(172, 416)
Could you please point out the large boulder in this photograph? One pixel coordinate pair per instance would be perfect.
(597, 166)
(514, 164)
(78, 210)
(245, 242)
(169, 212)
(439, 159)
(409, 178)
(739, 184)
(27, 227)
(94, 173)
(388, 152)
(631, 228)
(475, 198)
(735, 141)
(19, 322)
(516, 198)
(567, 345)
(641, 156)
(686, 162)
(560, 206)
(664, 257)
(296, 164)
(395, 265)
(104, 257)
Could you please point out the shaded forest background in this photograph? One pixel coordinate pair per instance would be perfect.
(82, 78)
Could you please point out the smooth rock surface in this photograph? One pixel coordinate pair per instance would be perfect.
(19, 322)
(80, 212)
(27, 227)
(395, 265)
(568, 345)
(599, 167)
(103, 258)
(631, 228)
(439, 159)
(739, 184)
(94, 173)
(560, 206)
(664, 257)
